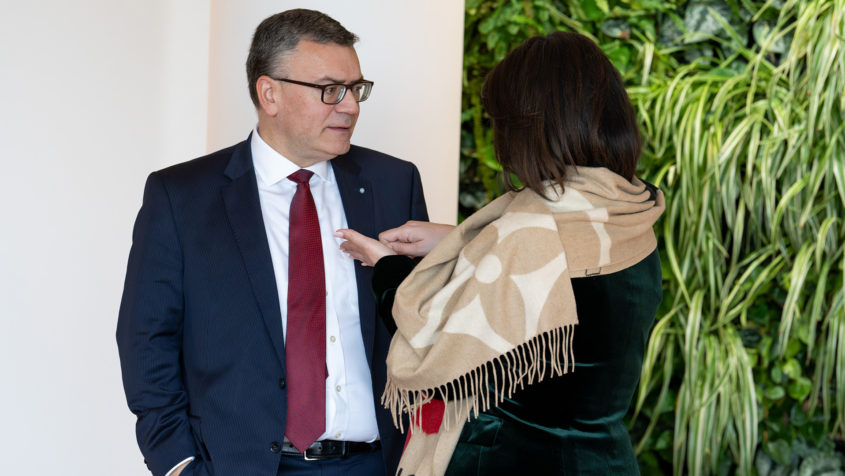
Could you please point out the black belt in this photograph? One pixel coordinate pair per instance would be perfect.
(327, 449)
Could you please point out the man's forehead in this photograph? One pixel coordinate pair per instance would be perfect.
(307, 48)
(322, 61)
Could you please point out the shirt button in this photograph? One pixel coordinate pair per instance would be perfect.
(275, 447)
(337, 436)
(332, 338)
(337, 388)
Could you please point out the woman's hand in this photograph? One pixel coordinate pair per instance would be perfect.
(415, 238)
(365, 249)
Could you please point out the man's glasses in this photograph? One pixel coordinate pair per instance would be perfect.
(334, 93)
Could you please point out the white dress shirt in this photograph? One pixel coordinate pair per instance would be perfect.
(350, 411)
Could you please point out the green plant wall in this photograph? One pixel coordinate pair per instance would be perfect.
(741, 106)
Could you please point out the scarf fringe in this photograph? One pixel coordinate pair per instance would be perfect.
(472, 393)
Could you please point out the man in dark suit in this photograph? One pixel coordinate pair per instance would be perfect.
(231, 367)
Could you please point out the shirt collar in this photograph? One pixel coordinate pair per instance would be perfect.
(272, 167)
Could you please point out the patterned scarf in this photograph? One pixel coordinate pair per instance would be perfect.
(481, 314)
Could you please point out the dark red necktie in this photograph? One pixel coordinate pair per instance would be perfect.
(305, 344)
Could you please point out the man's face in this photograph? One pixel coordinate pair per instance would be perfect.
(306, 130)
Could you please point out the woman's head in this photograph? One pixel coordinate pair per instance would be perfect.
(557, 101)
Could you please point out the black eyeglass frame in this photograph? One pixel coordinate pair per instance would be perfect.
(322, 88)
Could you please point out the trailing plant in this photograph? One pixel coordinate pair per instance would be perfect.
(741, 109)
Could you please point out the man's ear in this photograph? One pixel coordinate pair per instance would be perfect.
(268, 95)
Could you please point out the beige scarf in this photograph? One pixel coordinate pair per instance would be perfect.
(496, 293)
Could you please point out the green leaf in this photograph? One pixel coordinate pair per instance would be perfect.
(793, 347)
(766, 350)
(819, 463)
(472, 5)
(669, 30)
(719, 73)
(773, 41)
(487, 25)
(658, 5)
(501, 51)
(603, 6)
(488, 158)
(701, 20)
(800, 388)
(762, 314)
(591, 9)
(792, 369)
(543, 15)
(664, 441)
(750, 337)
(797, 416)
(775, 392)
(616, 28)
(620, 57)
(776, 375)
(780, 451)
(493, 39)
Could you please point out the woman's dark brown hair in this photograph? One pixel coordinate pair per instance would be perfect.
(557, 101)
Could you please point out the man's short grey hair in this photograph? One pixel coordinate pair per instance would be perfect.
(279, 34)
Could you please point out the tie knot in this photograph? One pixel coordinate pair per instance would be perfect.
(301, 176)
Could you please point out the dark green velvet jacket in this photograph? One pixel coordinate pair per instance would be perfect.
(568, 425)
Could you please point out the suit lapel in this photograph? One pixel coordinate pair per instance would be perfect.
(244, 211)
(358, 206)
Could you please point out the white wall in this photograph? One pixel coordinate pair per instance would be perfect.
(95, 94)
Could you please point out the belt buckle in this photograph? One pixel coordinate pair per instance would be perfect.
(344, 452)
(314, 458)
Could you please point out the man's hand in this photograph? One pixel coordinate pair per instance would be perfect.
(415, 238)
(366, 250)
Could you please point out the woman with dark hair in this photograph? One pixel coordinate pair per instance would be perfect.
(519, 338)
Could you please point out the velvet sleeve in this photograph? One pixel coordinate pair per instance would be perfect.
(388, 274)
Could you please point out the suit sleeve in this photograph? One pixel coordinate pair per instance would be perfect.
(419, 211)
(149, 334)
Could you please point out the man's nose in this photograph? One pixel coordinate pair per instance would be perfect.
(348, 105)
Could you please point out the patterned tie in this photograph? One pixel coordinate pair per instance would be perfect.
(305, 344)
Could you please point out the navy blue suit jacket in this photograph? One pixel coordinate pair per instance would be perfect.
(200, 331)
